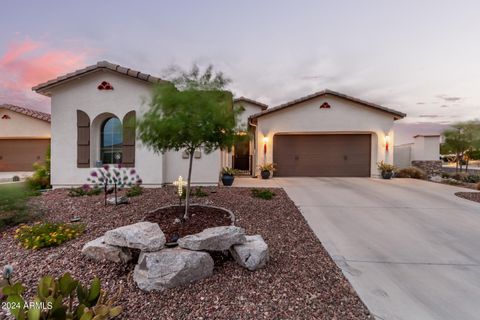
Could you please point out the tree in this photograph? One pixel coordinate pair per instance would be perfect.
(196, 113)
(462, 139)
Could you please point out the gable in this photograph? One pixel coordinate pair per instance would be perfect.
(17, 125)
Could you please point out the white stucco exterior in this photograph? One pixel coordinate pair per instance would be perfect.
(20, 126)
(423, 148)
(128, 94)
(343, 117)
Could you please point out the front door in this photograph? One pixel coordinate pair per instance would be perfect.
(241, 156)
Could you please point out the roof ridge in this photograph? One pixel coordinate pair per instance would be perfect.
(103, 64)
(28, 112)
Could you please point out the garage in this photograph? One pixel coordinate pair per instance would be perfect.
(322, 155)
(21, 154)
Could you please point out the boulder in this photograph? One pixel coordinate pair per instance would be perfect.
(120, 200)
(436, 178)
(98, 250)
(253, 254)
(213, 239)
(146, 236)
(171, 268)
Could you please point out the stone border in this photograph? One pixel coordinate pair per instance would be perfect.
(232, 215)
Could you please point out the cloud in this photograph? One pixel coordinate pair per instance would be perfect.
(449, 98)
(420, 102)
(444, 106)
(27, 63)
(429, 116)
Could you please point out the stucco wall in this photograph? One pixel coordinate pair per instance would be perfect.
(343, 117)
(22, 126)
(128, 94)
(403, 155)
(426, 148)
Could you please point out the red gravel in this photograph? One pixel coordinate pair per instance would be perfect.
(300, 282)
(200, 219)
(473, 196)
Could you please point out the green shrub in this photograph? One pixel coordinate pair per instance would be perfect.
(84, 190)
(41, 177)
(466, 177)
(62, 298)
(47, 234)
(196, 192)
(411, 172)
(134, 191)
(446, 175)
(263, 194)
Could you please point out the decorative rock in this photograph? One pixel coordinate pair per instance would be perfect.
(436, 178)
(253, 254)
(171, 268)
(145, 236)
(214, 239)
(120, 200)
(98, 250)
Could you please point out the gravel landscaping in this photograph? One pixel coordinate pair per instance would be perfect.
(473, 196)
(299, 282)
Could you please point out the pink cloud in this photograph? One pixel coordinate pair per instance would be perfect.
(27, 63)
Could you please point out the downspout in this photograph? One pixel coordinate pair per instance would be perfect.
(254, 155)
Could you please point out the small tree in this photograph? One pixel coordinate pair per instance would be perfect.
(462, 139)
(113, 177)
(197, 113)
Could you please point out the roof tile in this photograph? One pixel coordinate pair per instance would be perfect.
(28, 112)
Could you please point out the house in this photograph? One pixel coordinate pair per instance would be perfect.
(324, 134)
(24, 137)
(423, 152)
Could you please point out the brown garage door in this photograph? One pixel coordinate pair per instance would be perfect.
(340, 155)
(21, 154)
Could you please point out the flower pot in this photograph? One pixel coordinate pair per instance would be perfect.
(265, 174)
(227, 180)
(387, 174)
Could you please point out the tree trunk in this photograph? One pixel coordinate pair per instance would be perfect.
(187, 196)
(457, 161)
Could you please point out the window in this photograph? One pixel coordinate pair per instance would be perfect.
(111, 141)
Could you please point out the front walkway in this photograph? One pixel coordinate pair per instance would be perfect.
(409, 247)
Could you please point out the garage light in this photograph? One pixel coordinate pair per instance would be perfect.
(387, 140)
(265, 141)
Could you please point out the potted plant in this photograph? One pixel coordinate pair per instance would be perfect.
(266, 169)
(228, 175)
(386, 169)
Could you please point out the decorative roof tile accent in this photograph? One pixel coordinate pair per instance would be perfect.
(28, 112)
(42, 88)
(396, 114)
(244, 99)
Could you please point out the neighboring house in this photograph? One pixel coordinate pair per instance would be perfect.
(24, 137)
(325, 134)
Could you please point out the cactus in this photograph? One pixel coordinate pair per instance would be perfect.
(91, 303)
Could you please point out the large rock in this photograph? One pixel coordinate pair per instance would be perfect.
(253, 254)
(214, 239)
(145, 236)
(98, 250)
(171, 268)
(120, 200)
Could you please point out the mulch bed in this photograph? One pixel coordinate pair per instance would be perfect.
(473, 196)
(199, 219)
(300, 282)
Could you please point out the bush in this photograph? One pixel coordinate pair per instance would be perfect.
(14, 208)
(466, 177)
(134, 191)
(411, 172)
(446, 175)
(385, 167)
(84, 190)
(62, 298)
(41, 177)
(47, 234)
(263, 194)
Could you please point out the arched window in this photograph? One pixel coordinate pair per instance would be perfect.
(111, 137)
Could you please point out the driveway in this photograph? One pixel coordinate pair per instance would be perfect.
(410, 248)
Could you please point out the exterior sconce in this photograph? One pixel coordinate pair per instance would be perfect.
(387, 140)
(265, 141)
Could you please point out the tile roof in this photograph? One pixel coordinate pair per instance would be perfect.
(28, 112)
(396, 114)
(101, 65)
(244, 99)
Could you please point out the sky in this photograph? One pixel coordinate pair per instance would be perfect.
(420, 57)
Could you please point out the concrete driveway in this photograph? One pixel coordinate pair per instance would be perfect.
(410, 248)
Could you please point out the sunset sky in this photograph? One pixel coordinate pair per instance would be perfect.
(421, 57)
